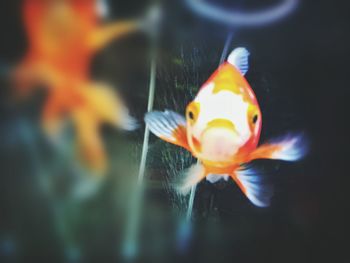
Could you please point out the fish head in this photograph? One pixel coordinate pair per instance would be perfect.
(224, 119)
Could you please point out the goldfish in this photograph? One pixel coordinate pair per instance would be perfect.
(222, 130)
(63, 36)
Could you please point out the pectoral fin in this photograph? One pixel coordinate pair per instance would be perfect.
(289, 148)
(169, 126)
(105, 34)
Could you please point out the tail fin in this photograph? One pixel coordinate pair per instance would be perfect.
(256, 187)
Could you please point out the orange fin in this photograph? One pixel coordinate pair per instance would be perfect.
(288, 148)
(107, 105)
(169, 126)
(105, 34)
(90, 145)
(255, 186)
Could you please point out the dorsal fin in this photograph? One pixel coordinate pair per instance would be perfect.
(239, 59)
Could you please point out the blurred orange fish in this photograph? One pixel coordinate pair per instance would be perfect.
(63, 36)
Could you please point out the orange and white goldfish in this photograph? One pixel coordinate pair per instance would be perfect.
(63, 36)
(222, 129)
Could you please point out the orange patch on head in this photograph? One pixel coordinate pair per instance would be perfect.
(228, 78)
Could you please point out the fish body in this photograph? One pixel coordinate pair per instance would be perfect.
(222, 129)
(58, 33)
(63, 36)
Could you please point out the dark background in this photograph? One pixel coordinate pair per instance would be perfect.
(299, 71)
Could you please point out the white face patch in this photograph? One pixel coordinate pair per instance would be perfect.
(222, 105)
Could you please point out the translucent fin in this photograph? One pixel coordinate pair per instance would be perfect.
(128, 123)
(239, 59)
(214, 178)
(194, 175)
(168, 126)
(288, 148)
(292, 148)
(102, 8)
(255, 186)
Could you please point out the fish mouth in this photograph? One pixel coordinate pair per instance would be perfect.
(218, 145)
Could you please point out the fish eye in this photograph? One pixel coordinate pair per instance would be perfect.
(192, 112)
(255, 118)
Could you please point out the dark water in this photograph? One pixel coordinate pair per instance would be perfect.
(299, 71)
